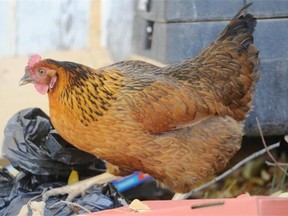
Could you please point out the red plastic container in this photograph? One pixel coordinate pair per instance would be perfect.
(243, 205)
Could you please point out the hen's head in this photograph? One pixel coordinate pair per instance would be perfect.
(39, 73)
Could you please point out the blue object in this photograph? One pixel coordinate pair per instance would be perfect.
(131, 181)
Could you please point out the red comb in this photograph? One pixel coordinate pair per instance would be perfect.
(33, 60)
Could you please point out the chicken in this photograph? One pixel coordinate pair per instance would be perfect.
(180, 123)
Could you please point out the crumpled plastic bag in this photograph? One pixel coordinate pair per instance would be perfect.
(29, 135)
(95, 199)
(6, 185)
(45, 160)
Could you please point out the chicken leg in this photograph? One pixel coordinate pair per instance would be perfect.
(80, 187)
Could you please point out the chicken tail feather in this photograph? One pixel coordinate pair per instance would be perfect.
(242, 10)
(240, 28)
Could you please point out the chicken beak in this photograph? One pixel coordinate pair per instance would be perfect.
(26, 79)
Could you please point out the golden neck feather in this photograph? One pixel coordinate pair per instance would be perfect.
(88, 94)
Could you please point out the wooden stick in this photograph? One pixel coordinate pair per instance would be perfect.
(268, 163)
(228, 172)
(266, 147)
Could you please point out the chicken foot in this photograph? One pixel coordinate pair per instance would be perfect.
(80, 187)
(180, 196)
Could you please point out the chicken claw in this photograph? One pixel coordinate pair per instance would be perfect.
(180, 196)
(80, 187)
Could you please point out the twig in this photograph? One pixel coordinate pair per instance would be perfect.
(35, 197)
(273, 183)
(207, 204)
(268, 163)
(282, 183)
(229, 187)
(70, 203)
(228, 172)
(266, 147)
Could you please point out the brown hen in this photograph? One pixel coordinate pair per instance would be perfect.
(180, 123)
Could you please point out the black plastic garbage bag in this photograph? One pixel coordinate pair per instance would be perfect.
(94, 199)
(31, 144)
(45, 161)
(6, 185)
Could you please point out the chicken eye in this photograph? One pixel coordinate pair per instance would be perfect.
(41, 71)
